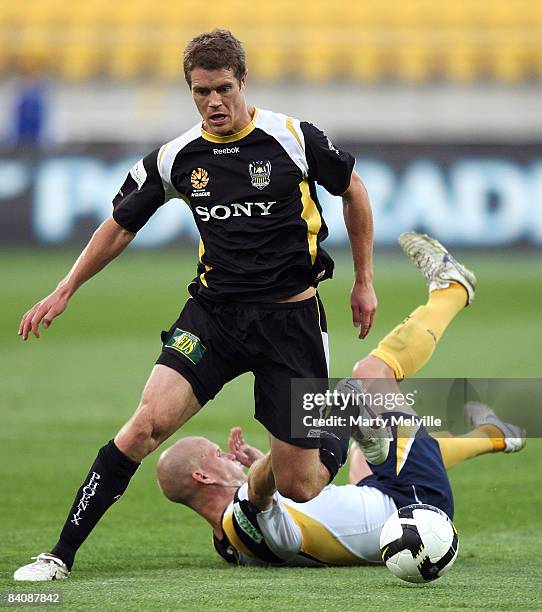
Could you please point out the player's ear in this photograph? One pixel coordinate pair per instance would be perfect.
(243, 81)
(203, 477)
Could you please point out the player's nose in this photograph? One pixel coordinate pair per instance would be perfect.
(215, 99)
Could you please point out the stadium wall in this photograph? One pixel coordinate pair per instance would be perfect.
(470, 194)
(149, 112)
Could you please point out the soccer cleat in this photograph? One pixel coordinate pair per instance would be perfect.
(478, 414)
(374, 441)
(436, 264)
(45, 567)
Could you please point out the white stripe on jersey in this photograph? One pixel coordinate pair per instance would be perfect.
(275, 124)
(167, 155)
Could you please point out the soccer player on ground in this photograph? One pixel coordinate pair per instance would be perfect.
(249, 176)
(341, 526)
(253, 524)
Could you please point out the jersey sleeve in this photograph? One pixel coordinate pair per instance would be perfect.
(141, 194)
(280, 531)
(328, 166)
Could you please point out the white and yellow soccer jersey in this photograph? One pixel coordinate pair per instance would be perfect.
(341, 526)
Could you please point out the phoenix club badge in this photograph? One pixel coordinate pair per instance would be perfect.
(260, 173)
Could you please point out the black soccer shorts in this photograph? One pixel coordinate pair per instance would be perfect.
(212, 343)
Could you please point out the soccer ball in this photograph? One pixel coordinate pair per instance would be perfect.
(418, 543)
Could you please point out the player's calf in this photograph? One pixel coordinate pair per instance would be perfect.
(167, 403)
(301, 473)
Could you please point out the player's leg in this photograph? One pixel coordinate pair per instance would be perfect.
(299, 472)
(302, 466)
(490, 434)
(410, 345)
(358, 468)
(189, 372)
(485, 438)
(293, 340)
(168, 401)
(166, 404)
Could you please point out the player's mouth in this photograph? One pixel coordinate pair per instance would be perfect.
(218, 118)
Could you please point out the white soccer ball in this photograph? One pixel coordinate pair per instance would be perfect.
(419, 543)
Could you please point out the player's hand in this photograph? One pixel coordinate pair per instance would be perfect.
(244, 453)
(363, 302)
(43, 312)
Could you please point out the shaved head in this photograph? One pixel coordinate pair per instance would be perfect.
(176, 466)
(186, 468)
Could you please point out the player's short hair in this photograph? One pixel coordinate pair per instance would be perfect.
(213, 51)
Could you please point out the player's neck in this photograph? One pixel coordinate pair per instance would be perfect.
(212, 506)
(244, 120)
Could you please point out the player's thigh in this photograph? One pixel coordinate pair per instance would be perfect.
(167, 402)
(293, 346)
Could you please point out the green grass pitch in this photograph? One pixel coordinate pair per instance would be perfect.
(64, 396)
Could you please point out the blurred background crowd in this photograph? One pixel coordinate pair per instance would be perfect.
(440, 101)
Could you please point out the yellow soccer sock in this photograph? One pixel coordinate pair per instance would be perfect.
(495, 435)
(479, 441)
(410, 345)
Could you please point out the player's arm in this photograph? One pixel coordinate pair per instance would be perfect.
(281, 533)
(261, 483)
(358, 218)
(139, 197)
(108, 241)
(333, 169)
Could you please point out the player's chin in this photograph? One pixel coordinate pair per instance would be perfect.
(221, 126)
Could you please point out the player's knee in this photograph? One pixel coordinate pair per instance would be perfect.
(296, 490)
(138, 437)
(372, 367)
(135, 438)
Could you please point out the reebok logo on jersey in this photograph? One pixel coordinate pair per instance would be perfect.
(246, 209)
(226, 150)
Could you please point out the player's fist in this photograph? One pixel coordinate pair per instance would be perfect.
(43, 312)
(244, 453)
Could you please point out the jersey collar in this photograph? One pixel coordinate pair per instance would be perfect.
(232, 137)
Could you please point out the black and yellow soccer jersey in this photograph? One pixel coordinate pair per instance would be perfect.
(253, 198)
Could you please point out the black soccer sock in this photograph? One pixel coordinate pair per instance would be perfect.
(105, 483)
(333, 452)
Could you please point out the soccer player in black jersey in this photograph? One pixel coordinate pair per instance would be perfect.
(248, 176)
